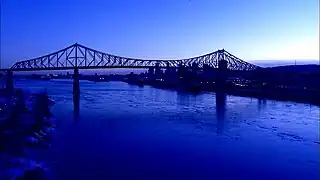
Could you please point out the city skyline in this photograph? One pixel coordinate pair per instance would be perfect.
(251, 30)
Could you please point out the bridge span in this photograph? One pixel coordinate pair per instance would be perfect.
(82, 57)
(78, 57)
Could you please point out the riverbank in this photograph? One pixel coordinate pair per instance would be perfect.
(283, 94)
(26, 125)
(309, 97)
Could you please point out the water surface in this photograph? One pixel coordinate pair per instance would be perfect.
(127, 132)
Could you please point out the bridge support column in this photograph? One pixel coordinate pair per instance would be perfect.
(194, 68)
(76, 90)
(150, 71)
(222, 74)
(158, 71)
(9, 82)
(168, 69)
(181, 70)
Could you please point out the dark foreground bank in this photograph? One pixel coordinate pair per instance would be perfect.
(26, 125)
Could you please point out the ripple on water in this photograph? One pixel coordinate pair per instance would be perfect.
(289, 136)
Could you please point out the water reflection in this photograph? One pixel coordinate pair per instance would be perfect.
(183, 98)
(262, 104)
(220, 111)
(76, 105)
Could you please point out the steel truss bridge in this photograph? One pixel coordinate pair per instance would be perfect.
(78, 56)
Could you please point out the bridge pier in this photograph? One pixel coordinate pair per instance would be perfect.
(181, 70)
(150, 71)
(158, 71)
(76, 90)
(9, 82)
(222, 74)
(194, 67)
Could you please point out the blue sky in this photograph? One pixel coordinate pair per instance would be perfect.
(162, 29)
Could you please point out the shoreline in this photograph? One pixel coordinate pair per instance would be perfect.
(268, 94)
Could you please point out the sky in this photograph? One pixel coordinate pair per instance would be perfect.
(162, 29)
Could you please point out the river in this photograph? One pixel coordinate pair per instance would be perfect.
(124, 131)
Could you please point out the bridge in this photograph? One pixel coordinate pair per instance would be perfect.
(78, 57)
(82, 57)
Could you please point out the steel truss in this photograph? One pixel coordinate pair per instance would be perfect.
(82, 57)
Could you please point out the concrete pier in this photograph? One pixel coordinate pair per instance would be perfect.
(76, 90)
(222, 74)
